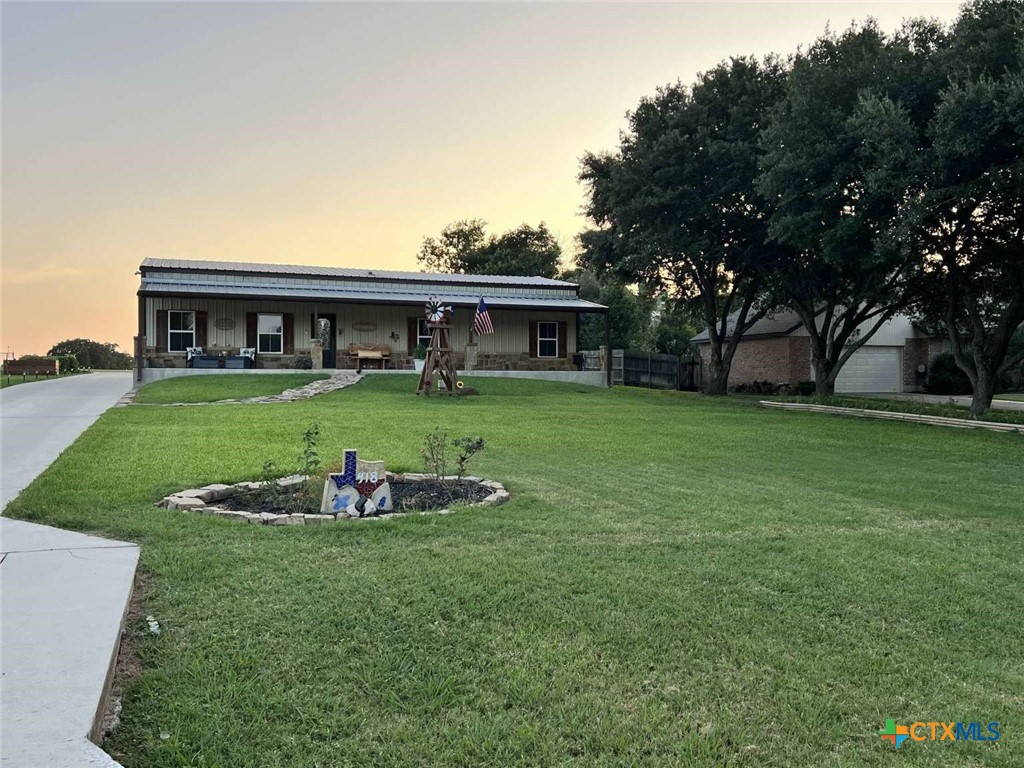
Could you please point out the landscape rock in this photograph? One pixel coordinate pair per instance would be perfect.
(219, 491)
(185, 502)
(292, 482)
(196, 493)
(228, 514)
(318, 519)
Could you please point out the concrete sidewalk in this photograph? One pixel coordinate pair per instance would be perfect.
(63, 595)
(64, 600)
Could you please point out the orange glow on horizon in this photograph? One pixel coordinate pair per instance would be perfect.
(325, 134)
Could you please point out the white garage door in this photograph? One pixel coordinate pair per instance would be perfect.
(871, 369)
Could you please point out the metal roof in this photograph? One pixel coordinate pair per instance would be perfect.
(239, 267)
(781, 323)
(457, 296)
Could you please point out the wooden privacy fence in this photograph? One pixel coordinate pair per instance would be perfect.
(647, 369)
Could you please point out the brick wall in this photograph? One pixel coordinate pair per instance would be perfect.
(778, 360)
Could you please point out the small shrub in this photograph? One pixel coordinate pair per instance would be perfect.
(420, 352)
(435, 454)
(304, 363)
(757, 388)
(309, 459)
(436, 458)
(946, 378)
(468, 448)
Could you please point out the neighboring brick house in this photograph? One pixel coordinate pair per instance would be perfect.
(777, 349)
(272, 309)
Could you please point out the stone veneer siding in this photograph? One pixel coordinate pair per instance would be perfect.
(398, 360)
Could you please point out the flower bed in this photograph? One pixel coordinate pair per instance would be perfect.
(413, 494)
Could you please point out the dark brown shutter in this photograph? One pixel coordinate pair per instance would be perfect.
(533, 338)
(201, 323)
(563, 339)
(161, 330)
(251, 326)
(414, 333)
(289, 333)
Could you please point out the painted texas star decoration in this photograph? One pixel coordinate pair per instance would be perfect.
(362, 489)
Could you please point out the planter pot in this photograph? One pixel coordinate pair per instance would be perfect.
(418, 365)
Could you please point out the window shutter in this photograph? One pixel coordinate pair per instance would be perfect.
(533, 338)
(251, 320)
(201, 325)
(288, 321)
(563, 338)
(414, 329)
(161, 330)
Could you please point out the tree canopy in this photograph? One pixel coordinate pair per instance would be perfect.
(847, 271)
(464, 247)
(94, 354)
(675, 208)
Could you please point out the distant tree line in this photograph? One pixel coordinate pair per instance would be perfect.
(93, 354)
(868, 175)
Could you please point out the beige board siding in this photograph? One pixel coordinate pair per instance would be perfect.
(511, 336)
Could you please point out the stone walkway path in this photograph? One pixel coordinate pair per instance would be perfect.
(323, 386)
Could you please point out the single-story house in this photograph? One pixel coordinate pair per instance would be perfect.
(272, 313)
(777, 349)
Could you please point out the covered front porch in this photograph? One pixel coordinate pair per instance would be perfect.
(263, 317)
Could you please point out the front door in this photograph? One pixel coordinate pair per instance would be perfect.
(329, 324)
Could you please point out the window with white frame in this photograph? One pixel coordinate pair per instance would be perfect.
(181, 330)
(547, 339)
(270, 334)
(423, 333)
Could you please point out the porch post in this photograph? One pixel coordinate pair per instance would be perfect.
(608, 345)
(140, 341)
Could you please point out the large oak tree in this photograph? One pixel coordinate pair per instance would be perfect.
(847, 270)
(674, 207)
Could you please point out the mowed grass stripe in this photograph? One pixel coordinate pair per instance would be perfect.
(678, 580)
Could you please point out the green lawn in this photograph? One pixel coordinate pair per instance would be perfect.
(1010, 396)
(228, 386)
(677, 580)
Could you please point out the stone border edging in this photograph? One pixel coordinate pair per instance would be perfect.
(919, 418)
(203, 501)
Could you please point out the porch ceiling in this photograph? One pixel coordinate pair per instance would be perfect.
(161, 287)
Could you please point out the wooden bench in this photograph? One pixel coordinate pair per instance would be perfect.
(32, 367)
(360, 352)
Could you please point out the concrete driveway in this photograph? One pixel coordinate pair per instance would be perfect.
(39, 420)
(63, 595)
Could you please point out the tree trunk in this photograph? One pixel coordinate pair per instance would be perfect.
(718, 370)
(984, 391)
(824, 383)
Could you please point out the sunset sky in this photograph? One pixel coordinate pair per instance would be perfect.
(330, 133)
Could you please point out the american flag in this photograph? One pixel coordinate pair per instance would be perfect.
(482, 320)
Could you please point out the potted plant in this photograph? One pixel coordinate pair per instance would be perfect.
(419, 356)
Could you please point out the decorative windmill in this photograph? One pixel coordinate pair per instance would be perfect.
(439, 367)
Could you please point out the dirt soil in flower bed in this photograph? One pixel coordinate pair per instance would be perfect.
(412, 496)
